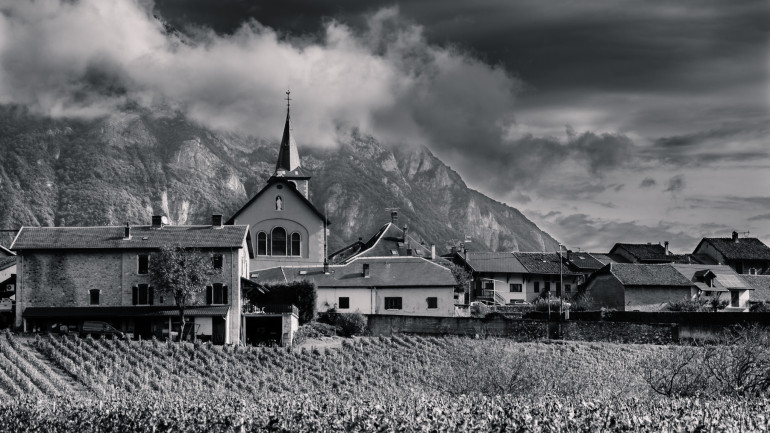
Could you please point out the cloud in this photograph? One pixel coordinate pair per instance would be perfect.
(675, 184)
(760, 217)
(648, 182)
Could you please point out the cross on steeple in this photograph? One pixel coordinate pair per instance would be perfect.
(288, 99)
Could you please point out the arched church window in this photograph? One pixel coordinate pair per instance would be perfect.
(262, 244)
(278, 238)
(278, 203)
(296, 244)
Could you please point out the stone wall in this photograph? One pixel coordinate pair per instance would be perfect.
(525, 330)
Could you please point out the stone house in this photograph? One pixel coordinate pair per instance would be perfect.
(409, 286)
(67, 274)
(744, 255)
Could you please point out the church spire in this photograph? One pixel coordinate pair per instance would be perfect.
(288, 156)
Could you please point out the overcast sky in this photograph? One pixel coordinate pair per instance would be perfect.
(603, 121)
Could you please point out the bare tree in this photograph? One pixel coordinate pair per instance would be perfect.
(182, 273)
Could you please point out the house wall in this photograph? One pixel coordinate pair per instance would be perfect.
(296, 216)
(6, 273)
(414, 301)
(606, 292)
(503, 280)
(652, 298)
(530, 279)
(361, 299)
(64, 278)
(709, 250)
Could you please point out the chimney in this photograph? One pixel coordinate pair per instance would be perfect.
(326, 267)
(453, 249)
(409, 251)
(406, 232)
(216, 221)
(735, 237)
(394, 217)
(366, 270)
(127, 232)
(569, 255)
(665, 245)
(433, 251)
(157, 221)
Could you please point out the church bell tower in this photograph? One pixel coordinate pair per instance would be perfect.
(288, 165)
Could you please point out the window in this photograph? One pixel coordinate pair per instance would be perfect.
(568, 288)
(262, 244)
(432, 302)
(537, 286)
(143, 295)
(143, 264)
(216, 262)
(296, 243)
(278, 203)
(752, 271)
(393, 303)
(216, 294)
(547, 287)
(489, 285)
(94, 296)
(344, 303)
(515, 287)
(278, 238)
(735, 298)
(366, 270)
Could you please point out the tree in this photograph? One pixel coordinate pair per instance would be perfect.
(182, 273)
(462, 277)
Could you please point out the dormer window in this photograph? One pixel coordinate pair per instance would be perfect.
(752, 271)
(278, 203)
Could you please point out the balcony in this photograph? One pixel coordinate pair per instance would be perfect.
(269, 309)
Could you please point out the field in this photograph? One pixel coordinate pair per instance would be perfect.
(402, 383)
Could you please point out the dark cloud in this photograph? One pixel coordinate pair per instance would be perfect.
(648, 182)
(675, 184)
(760, 217)
(594, 234)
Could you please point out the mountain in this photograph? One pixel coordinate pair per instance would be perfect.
(136, 163)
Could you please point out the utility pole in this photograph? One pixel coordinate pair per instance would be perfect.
(561, 286)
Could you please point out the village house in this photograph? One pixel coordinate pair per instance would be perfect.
(509, 278)
(411, 286)
(67, 274)
(287, 229)
(744, 255)
(718, 281)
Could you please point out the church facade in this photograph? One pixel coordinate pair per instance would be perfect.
(286, 228)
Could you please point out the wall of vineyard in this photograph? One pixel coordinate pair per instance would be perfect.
(525, 330)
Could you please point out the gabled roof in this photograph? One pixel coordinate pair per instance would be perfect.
(401, 272)
(142, 237)
(740, 249)
(543, 263)
(493, 262)
(724, 276)
(292, 187)
(761, 285)
(6, 252)
(643, 252)
(606, 259)
(584, 260)
(7, 262)
(642, 274)
(387, 242)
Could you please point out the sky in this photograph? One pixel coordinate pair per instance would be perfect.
(602, 121)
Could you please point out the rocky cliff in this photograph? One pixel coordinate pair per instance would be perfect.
(133, 164)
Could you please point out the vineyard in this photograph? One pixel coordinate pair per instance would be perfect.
(405, 382)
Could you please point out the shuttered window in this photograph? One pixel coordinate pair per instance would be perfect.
(143, 294)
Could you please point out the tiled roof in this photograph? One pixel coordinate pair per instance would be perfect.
(643, 252)
(584, 260)
(640, 274)
(387, 242)
(7, 262)
(268, 275)
(5, 251)
(761, 285)
(608, 258)
(493, 262)
(743, 249)
(543, 263)
(111, 237)
(383, 272)
(110, 312)
(725, 275)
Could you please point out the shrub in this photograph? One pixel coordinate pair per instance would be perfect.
(759, 307)
(302, 294)
(541, 304)
(582, 302)
(352, 324)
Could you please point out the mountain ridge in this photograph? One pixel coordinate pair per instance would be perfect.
(134, 163)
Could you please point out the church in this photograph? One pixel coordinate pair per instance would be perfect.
(286, 229)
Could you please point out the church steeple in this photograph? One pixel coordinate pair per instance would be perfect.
(288, 165)
(288, 156)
